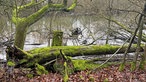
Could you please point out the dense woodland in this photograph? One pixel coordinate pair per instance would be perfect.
(75, 40)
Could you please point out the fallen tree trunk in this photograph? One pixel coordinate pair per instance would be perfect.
(46, 54)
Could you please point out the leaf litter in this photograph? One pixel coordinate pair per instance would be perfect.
(110, 73)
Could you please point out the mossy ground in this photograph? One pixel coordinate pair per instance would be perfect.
(11, 63)
(40, 70)
(80, 65)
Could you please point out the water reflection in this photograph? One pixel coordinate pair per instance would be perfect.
(93, 30)
(2, 54)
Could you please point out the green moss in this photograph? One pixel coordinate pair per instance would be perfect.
(122, 66)
(141, 66)
(83, 65)
(57, 5)
(80, 65)
(11, 63)
(39, 50)
(81, 77)
(142, 62)
(22, 23)
(22, 61)
(106, 80)
(91, 79)
(29, 75)
(133, 66)
(65, 76)
(50, 53)
(57, 38)
(24, 53)
(73, 5)
(24, 6)
(72, 50)
(40, 69)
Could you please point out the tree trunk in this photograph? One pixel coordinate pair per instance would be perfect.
(138, 43)
(20, 36)
(145, 52)
(47, 54)
(57, 38)
(22, 23)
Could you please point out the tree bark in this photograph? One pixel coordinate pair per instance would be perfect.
(20, 35)
(57, 38)
(22, 23)
(46, 54)
(145, 52)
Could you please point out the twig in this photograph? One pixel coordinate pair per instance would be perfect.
(111, 56)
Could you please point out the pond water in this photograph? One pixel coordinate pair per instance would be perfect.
(2, 54)
(91, 30)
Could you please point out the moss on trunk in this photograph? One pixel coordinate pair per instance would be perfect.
(22, 23)
(46, 54)
(57, 38)
(20, 35)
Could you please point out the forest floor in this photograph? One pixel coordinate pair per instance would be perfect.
(107, 74)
